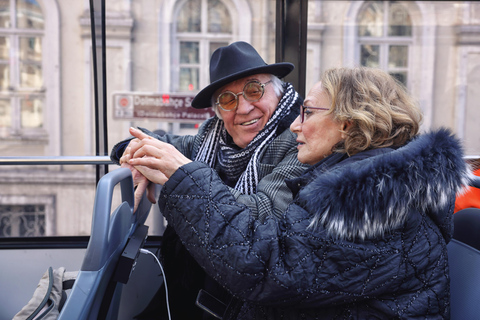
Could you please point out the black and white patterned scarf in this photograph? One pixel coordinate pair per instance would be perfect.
(237, 164)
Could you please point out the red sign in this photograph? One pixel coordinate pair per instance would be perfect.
(169, 107)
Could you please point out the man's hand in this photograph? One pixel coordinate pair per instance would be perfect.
(155, 159)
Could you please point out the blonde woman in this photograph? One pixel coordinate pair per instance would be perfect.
(366, 235)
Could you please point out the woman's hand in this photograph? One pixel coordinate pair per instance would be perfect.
(156, 160)
(140, 182)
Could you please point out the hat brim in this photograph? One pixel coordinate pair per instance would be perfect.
(204, 98)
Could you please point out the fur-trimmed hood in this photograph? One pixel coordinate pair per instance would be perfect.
(370, 197)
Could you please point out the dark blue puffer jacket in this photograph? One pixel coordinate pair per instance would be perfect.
(365, 239)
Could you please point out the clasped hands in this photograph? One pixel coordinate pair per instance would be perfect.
(151, 162)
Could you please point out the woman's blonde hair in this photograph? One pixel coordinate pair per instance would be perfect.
(378, 107)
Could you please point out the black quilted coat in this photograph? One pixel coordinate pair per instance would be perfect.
(365, 238)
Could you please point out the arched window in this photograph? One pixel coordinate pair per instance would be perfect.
(22, 94)
(201, 26)
(384, 37)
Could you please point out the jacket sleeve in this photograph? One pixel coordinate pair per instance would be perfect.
(275, 262)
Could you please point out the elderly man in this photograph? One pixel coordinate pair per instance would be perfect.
(248, 143)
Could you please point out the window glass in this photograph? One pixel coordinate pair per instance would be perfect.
(27, 216)
(398, 56)
(189, 79)
(370, 23)
(189, 52)
(218, 17)
(31, 48)
(189, 70)
(4, 62)
(30, 75)
(196, 44)
(399, 22)
(21, 74)
(30, 62)
(4, 48)
(190, 64)
(29, 15)
(370, 55)
(4, 76)
(32, 113)
(400, 76)
(385, 35)
(189, 18)
(22, 220)
(5, 14)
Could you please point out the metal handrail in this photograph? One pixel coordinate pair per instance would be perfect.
(44, 160)
(471, 157)
(105, 160)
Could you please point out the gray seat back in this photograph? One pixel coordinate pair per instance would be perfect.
(109, 236)
(464, 263)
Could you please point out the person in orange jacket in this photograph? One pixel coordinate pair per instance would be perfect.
(471, 198)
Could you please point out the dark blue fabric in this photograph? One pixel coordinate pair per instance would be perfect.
(363, 240)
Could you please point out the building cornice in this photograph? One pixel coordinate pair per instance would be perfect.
(118, 25)
(468, 34)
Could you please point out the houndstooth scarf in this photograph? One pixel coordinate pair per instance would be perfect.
(240, 165)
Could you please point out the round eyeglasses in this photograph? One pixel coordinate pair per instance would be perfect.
(252, 91)
(302, 111)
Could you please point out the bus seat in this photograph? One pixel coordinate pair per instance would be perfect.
(467, 227)
(475, 182)
(464, 263)
(97, 288)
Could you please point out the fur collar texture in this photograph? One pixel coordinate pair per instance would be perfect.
(370, 197)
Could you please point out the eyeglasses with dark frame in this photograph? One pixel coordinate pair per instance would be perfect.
(302, 111)
(252, 92)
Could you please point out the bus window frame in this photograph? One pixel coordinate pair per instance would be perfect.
(290, 45)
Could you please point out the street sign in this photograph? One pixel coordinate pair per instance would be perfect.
(170, 107)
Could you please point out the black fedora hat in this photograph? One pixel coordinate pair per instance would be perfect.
(234, 62)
